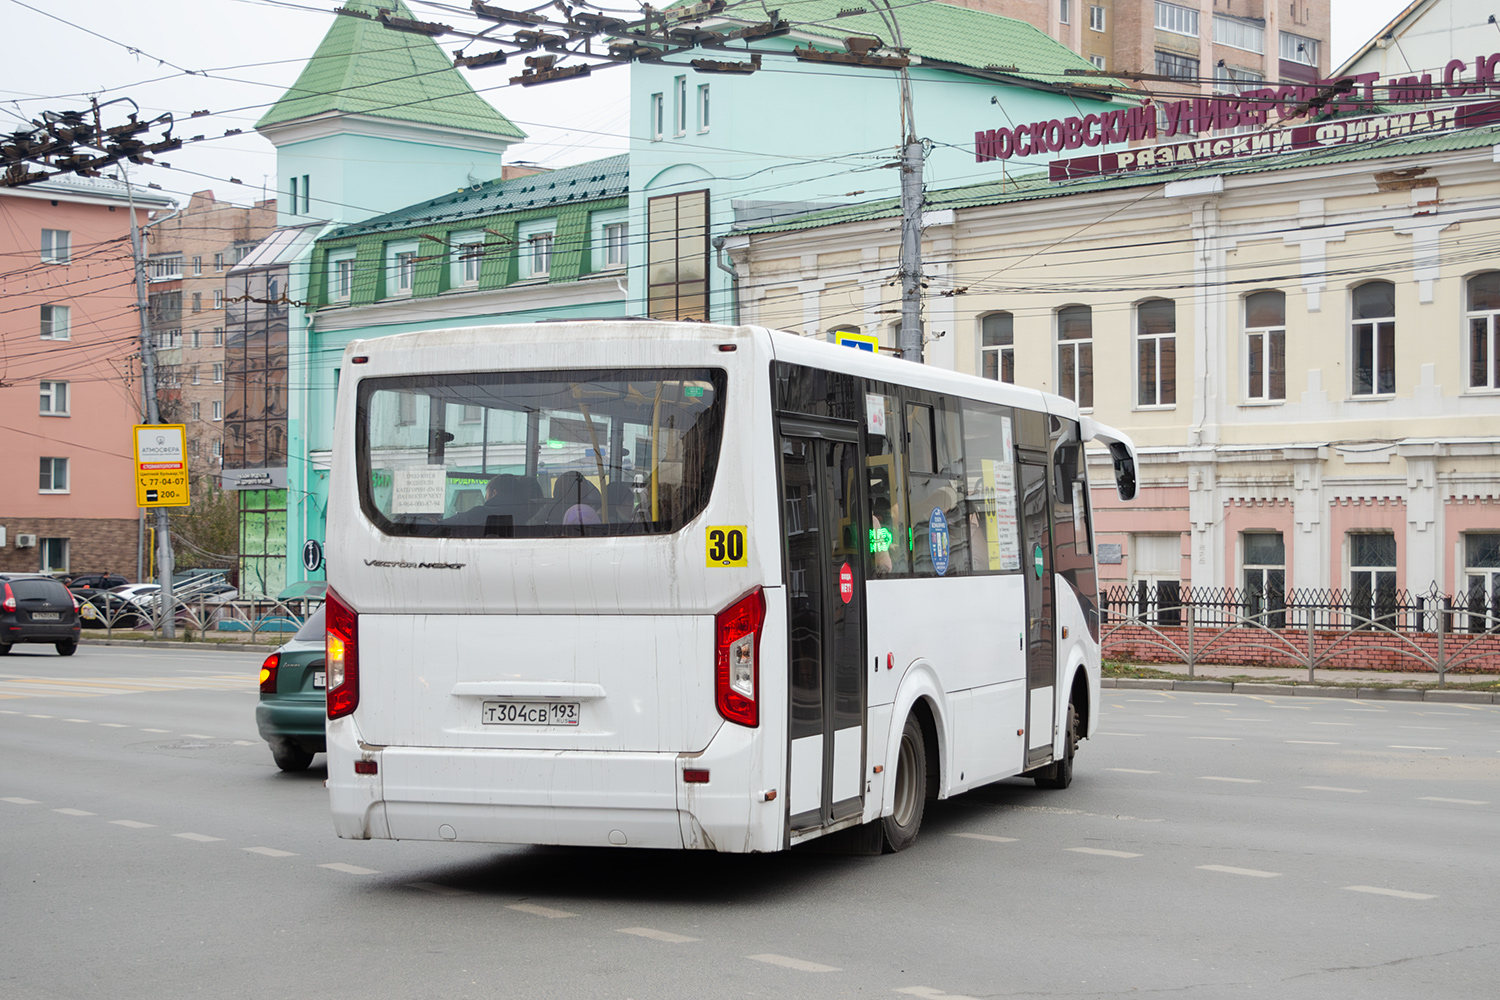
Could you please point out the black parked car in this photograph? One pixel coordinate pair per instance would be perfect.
(36, 608)
(96, 581)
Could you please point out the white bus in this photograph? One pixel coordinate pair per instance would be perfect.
(689, 586)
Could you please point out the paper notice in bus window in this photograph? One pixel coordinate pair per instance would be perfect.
(419, 490)
(875, 413)
(1006, 533)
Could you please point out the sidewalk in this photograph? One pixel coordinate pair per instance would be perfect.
(1479, 689)
(196, 644)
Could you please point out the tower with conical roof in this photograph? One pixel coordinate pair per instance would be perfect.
(376, 120)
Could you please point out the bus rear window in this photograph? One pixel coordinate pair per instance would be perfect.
(550, 454)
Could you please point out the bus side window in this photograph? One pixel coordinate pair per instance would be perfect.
(935, 484)
(885, 477)
(990, 500)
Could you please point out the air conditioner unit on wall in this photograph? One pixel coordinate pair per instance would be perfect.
(25, 541)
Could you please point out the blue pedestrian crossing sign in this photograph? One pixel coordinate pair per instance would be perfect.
(859, 341)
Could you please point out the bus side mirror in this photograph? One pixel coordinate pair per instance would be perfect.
(1124, 463)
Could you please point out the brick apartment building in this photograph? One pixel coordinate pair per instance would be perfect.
(70, 385)
(1204, 46)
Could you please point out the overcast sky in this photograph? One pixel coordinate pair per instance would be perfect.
(234, 58)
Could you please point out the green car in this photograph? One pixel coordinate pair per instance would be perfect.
(292, 700)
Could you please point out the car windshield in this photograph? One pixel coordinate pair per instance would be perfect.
(312, 630)
(38, 588)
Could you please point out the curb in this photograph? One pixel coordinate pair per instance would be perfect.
(1447, 694)
(235, 647)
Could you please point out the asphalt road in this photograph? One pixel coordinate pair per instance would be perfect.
(1211, 846)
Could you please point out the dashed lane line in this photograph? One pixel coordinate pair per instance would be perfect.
(201, 838)
(786, 962)
(666, 937)
(1166, 717)
(17, 800)
(1402, 746)
(1457, 802)
(270, 852)
(1131, 770)
(928, 993)
(1330, 723)
(1220, 704)
(79, 720)
(1398, 893)
(1314, 743)
(350, 869)
(1252, 872)
(1102, 852)
(1122, 734)
(1335, 788)
(156, 730)
(1237, 781)
(989, 837)
(75, 812)
(540, 911)
(1226, 739)
(133, 824)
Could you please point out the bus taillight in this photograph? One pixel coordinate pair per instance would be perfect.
(737, 658)
(342, 655)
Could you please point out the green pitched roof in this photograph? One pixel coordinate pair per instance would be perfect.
(1034, 187)
(942, 34)
(361, 67)
(592, 181)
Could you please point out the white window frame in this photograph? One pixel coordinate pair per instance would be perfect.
(56, 321)
(197, 411)
(1176, 19)
(1372, 574)
(219, 261)
(655, 122)
(54, 398)
(218, 298)
(341, 276)
(164, 267)
(467, 251)
(218, 336)
(1099, 62)
(1001, 351)
(537, 242)
(197, 266)
(1096, 18)
(218, 450)
(1490, 318)
(1063, 11)
(1380, 328)
(57, 246)
(1074, 346)
(197, 302)
(1263, 571)
(1237, 34)
(195, 378)
(1288, 49)
(218, 372)
(217, 410)
(1153, 343)
(400, 269)
(679, 106)
(704, 109)
(45, 565)
(54, 463)
(1234, 80)
(1265, 333)
(600, 225)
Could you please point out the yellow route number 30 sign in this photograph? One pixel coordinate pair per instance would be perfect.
(161, 472)
(726, 545)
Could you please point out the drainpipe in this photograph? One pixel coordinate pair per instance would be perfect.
(734, 279)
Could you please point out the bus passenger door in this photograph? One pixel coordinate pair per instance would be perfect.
(822, 485)
(1041, 659)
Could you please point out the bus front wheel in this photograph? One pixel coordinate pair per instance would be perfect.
(900, 827)
(1060, 773)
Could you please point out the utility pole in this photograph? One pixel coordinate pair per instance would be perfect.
(911, 212)
(153, 416)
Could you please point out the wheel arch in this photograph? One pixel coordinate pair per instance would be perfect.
(918, 694)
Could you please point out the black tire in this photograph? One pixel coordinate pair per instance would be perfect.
(290, 757)
(4, 648)
(66, 648)
(1060, 773)
(899, 830)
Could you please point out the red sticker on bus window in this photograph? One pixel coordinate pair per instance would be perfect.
(846, 583)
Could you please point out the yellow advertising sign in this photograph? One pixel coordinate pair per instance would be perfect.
(161, 472)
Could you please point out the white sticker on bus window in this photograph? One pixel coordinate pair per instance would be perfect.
(1007, 534)
(419, 490)
(875, 413)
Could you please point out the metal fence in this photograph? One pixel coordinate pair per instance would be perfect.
(247, 620)
(1308, 628)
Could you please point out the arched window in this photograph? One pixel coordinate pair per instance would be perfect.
(1156, 352)
(1374, 339)
(1484, 338)
(1075, 354)
(997, 350)
(1265, 345)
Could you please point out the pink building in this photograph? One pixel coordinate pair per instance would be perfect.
(70, 385)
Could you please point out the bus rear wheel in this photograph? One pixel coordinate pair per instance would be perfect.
(900, 827)
(1060, 773)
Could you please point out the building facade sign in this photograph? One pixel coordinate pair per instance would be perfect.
(1248, 109)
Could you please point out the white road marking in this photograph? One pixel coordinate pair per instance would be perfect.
(1435, 729)
(78, 720)
(1398, 893)
(201, 838)
(247, 743)
(540, 911)
(1424, 798)
(1330, 723)
(115, 725)
(1102, 852)
(1335, 788)
(1221, 704)
(20, 801)
(132, 824)
(271, 852)
(1227, 739)
(988, 837)
(1230, 718)
(1238, 781)
(1131, 770)
(197, 736)
(74, 812)
(438, 890)
(1166, 717)
(1121, 734)
(156, 730)
(35, 716)
(6, 711)
(1144, 701)
(655, 935)
(1402, 746)
(932, 994)
(1315, 743)
(1252, 872)
(350, 869)
(792, 963)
